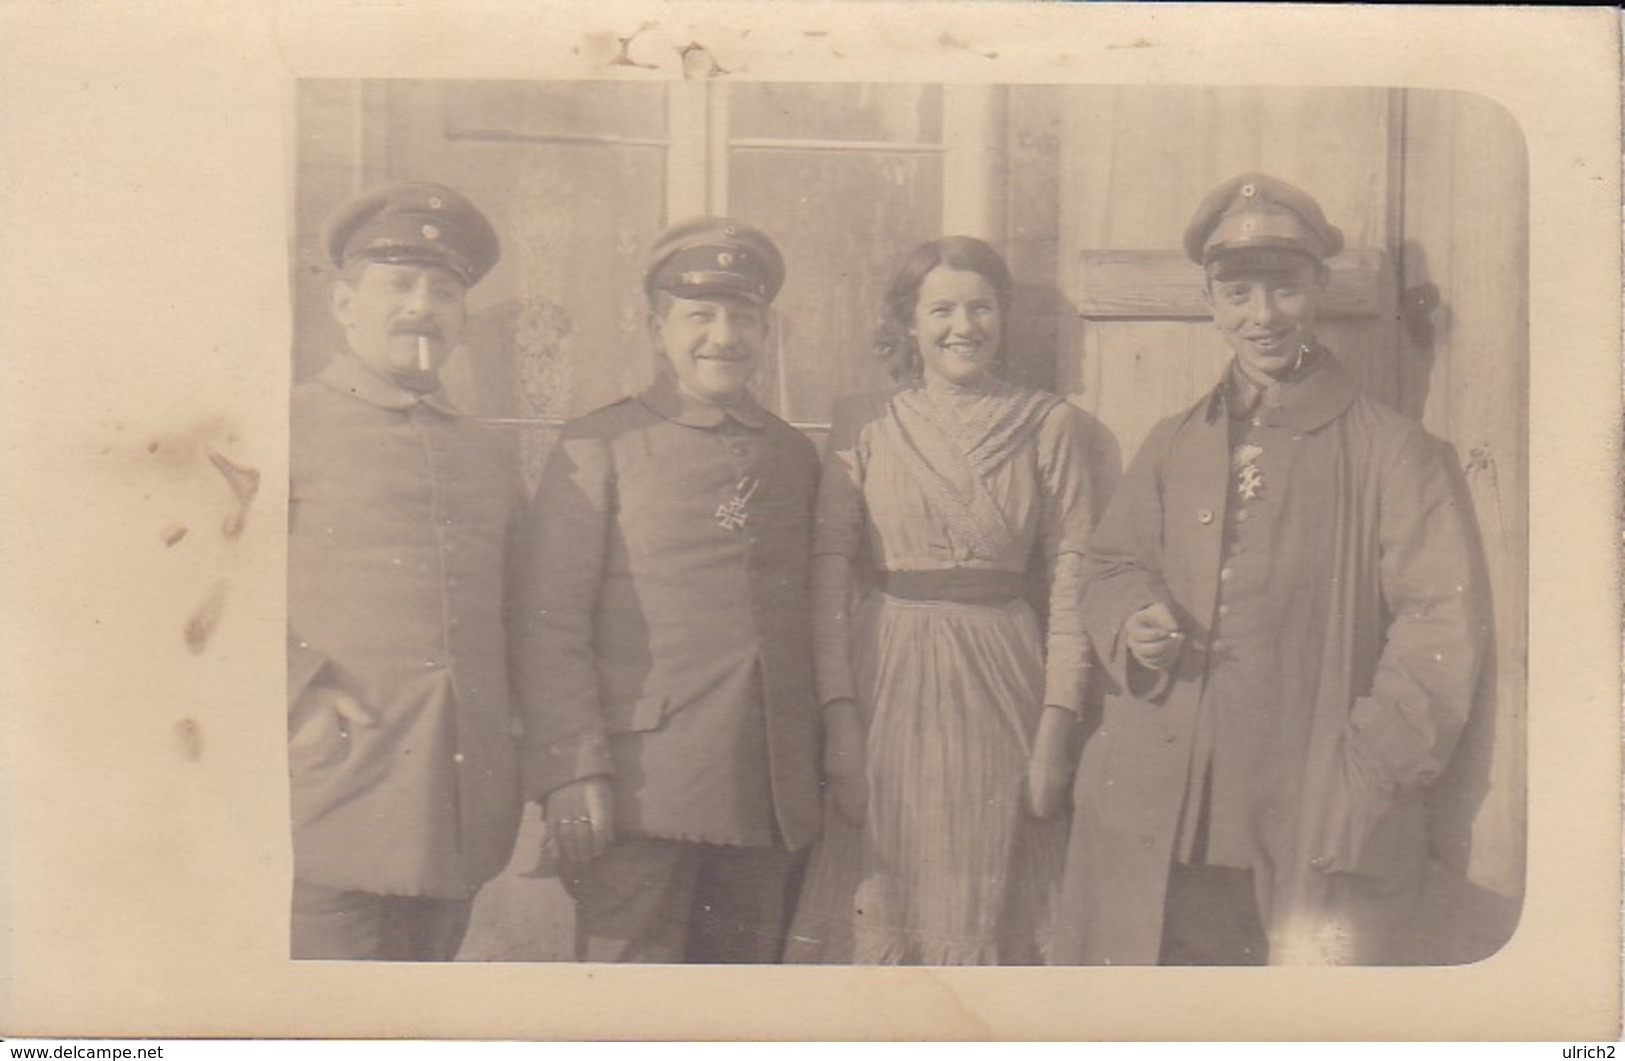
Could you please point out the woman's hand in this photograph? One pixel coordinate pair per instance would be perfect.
(846, 760)
(1049, 769)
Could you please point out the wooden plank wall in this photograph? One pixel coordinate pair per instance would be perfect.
(1135, 162)
(1044, 314)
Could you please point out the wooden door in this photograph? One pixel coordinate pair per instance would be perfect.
(1136, 162)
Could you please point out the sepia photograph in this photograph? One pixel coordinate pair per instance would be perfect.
(764, 713)
(955, 520)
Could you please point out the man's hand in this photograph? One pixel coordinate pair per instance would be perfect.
(1049, 769)
(581, 822)
(845, 760)
(1154, 637)
(324, 714)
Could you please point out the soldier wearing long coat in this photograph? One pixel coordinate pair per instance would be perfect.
(1284, 606)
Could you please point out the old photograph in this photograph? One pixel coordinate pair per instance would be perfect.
(1182, 429)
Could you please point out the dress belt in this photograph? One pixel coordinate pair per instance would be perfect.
(956, 585)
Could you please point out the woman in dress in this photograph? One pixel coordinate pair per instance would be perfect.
(947, 712)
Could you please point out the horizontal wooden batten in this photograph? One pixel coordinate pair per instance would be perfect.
(1160, 285)
(884, 146)
(509, 136)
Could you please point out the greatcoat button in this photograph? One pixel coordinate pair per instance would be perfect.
(1204, 516)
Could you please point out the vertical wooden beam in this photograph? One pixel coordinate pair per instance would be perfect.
(717, 144)
(687, 156)
(973, 134)
(1028, 190)
(1392, 327)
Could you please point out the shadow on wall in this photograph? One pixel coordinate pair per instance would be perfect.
(1465, 921)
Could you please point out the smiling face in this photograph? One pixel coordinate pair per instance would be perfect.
(713, 344)
(385, 309)
(1266, 308)
(957, 325)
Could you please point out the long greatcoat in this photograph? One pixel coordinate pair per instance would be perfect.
(400, 516)
(664, 637)
(1378, 632)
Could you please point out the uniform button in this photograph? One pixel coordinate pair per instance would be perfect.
(1242, 517)
(430, 663)
(1204, 516)
(1224, 609)
(1224, 574)
(457, 758)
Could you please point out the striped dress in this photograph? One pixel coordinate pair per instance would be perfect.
(928, 492)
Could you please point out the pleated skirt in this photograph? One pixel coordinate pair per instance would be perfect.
(948, 867)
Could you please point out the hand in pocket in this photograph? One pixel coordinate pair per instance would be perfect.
(323, 718)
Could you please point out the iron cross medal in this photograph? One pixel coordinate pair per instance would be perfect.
(1249, 477)
(732, 514)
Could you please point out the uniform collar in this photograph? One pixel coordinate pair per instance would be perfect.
(1305, 401)
(666, 400)
(346, 374)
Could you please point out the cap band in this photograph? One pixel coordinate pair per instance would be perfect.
(713, 269)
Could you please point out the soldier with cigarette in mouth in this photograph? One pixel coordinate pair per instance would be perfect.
(401, 755)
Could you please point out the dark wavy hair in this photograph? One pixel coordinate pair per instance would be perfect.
(893, 343)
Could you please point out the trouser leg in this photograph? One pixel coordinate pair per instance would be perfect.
(1211, 918)
(740, 910)
(330, 923)
(632, 902)
(421, 929)
(333, 923)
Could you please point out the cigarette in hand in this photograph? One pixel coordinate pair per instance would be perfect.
(423, 353)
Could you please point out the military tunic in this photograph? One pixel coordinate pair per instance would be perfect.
(663, 635)
(400, 512)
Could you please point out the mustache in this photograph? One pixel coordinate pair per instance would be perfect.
(431, 331)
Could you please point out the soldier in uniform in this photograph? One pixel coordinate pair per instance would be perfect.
(663, 656)
(402, 755)
(1282, 598)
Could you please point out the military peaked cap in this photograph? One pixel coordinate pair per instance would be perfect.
(714, 256)
(413, 223)
(1255, 210)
